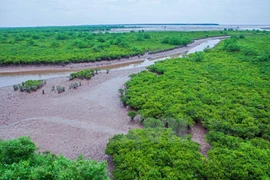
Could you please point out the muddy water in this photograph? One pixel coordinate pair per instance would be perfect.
(16, 78)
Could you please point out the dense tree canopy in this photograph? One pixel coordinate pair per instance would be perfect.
(227, 89)
(155, 154)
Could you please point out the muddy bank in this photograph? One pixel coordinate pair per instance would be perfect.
(77, 121)
(198, 133)
(103, 64)
(71, 123)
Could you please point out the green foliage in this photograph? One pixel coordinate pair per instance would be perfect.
(207, 49)
(59, 45)
(228, 95)
(30, 85)
(16, 87)
(177, 40)
(242, 36)
(13, 151)
(265, 56)
(55, 44)
(20, 161)
(235, 158)
(231, 45)
(179, 126)
(132, 114)
(60, 89)
(61, 36)
(80, 44)
(155, 154)
(74, 85)
(153, 123)
(121, 91)
(123, 99)
(198, 56)
(84, 74)
(249, 51)
(222, 91)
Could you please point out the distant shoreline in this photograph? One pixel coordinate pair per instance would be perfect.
(124, 25)
(174, 24)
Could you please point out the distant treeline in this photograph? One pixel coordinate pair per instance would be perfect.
(83, 28)
(178, 24)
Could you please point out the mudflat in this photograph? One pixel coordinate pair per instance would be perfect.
(77, 121)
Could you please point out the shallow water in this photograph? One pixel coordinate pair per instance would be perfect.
(17, 78)
(187, 27)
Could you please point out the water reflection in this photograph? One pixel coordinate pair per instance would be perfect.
(16, 78)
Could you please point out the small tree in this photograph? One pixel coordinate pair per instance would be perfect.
(153, 123)
(198, 56)
(121, 91)
(132, 114)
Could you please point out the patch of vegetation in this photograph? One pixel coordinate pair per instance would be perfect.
(231, 45)
(19, 160)
(60, 89)
(235, 158)
(223, 91)
(155, 154)
(30, 85)
(132, 114)
(84, 74)
(74, 85)
(228, 91)
(61, 45)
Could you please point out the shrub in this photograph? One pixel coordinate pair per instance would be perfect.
(123, 99)
(230, 45)
(132, 114)
(80, 44)
(16, 87)
(121, 91)
(13, 151)
(30, 85)
(153, 123)
(84, 74)
(198, 56)
(249, 51)
(176, 40)
(155, 154)
(242, 36)
(179, 125)
(61, 36)
(60, 89)
(73, 85)
(18, 160)
(265, 56)
(54, 44)
(207, 49)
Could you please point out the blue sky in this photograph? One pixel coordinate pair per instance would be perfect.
(77, 12)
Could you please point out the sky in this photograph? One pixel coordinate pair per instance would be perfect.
(17, 13)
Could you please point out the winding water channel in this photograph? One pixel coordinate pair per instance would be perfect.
(8, 79)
